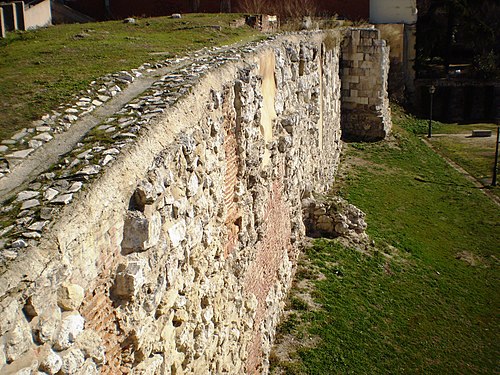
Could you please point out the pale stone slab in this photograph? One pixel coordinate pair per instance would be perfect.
(20, 154)
(30, 204)
(27, 194)
(63, 199)
(43, 137)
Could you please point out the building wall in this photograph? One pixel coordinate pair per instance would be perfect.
(393, 11)
(38, 15)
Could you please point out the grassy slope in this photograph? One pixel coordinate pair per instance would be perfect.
(41, 69)
(420, 310)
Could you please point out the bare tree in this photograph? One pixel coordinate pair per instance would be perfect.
(294, 9)
(285, 9)
(254, 6)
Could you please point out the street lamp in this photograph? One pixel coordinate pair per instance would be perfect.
(495, 166)
(432, 90)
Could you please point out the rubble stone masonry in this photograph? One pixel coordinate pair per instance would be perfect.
(178, 255)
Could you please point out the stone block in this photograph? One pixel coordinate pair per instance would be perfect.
(71, 326)
(50, 362)
(177, 233)
(46, 324)
(70, 296)
(350, 79)
(2, 24)
(72, 360)
(9, 16)
(130, 278)
(140, 232)
(92, 346)
(18, 340)
(361, 101)
(19, 8)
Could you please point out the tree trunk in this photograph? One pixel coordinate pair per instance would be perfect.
(225, 6)
(194, 5)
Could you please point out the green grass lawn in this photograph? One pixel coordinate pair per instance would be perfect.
(44, 68)
(475, 155)
(425, 300)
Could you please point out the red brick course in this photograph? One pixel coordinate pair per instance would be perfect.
(97, 307)
(263, 273)
(233, 214)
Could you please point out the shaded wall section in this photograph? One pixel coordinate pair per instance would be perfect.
(365, 101)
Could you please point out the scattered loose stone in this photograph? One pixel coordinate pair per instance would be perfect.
(90, 170)
(25, 195)
(3, 148)
(30, 204)
(71, 118)
(20, 154)
(43, 137)
(63, 199)
(35, 144)
(43, 128)
(52, 363)
(46, 213)
(84, 155)
(6, 230)
(20, 243)
(103, 98)
(107, 159)
(38, 226)
(19, 135)
(75, 186)
(33, 235)
(71, 326)
(111, 151)
(124, 135)
(50, 193)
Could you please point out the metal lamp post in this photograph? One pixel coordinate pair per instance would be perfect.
(432, 90)
(495, 166)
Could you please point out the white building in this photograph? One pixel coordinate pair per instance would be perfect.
(393, 11)
(396, 20)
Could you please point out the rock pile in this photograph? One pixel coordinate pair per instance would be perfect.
(332, 217)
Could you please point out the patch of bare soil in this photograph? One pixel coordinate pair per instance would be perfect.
(287, 343)
(469, 258)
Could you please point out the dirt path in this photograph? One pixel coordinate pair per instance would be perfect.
(462, 171)
(49, 153)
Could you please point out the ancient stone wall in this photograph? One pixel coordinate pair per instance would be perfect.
(365, 102)
(175, 240)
